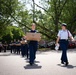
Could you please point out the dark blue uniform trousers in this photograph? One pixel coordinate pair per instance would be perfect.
(32, 50)
(23, 50)
(64, 47)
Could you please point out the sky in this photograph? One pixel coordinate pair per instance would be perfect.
(28, 6)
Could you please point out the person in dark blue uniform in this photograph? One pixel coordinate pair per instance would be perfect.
(14, 46)
(33, 45)
(63, 36)
(1, 46)
(11, 46)
(18, 46)
(5, 45)
(24, 48)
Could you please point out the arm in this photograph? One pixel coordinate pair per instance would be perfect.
(57, 40)
(71, 37)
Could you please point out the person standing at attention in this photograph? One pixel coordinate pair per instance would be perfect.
(63, 36)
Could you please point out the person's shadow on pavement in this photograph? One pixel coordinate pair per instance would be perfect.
(69, 66)
(34, 61)
(34, 66)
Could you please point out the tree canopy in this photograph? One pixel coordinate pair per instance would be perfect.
(48, 16)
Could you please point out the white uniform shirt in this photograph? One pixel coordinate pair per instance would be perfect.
(64, 34)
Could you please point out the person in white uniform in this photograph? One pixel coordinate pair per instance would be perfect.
(63, 36)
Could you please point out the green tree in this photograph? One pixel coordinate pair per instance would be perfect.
(69, 15)
(11, 33)
(7, 8)
(48, 21)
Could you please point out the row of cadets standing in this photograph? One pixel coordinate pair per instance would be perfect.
(15, 46)
(19, 47)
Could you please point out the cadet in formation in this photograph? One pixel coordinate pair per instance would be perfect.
(24, 48)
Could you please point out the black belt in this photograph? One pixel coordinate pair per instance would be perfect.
(63, 39)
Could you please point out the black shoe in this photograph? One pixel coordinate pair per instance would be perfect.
(31, 64)
(62, 62)
(66, 64)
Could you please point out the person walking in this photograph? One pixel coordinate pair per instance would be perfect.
(63, 36)
(33, 45)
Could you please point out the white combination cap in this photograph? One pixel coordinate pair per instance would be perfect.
(64, 24)
(33, 24)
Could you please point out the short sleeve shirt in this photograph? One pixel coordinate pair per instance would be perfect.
(64, 34)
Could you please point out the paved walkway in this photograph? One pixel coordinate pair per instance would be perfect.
(47, 63)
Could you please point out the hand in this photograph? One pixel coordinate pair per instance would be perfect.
(73, 39)
(56, 44)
